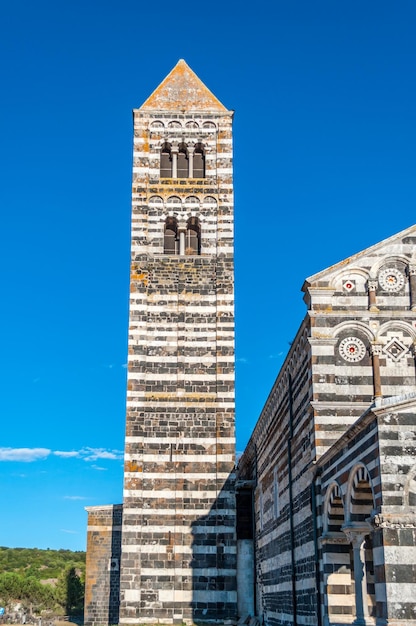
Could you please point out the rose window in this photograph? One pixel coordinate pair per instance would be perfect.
(391, 279)
(352, 349)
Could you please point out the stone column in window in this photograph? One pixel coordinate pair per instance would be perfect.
(372, 295)
(175, 162)
(376, 354)
(357, 538)
(191, 164)
(411, 270)
(182, 235)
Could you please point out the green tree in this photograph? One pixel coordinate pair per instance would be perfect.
(69, 591)
(10, 587)
(43, 564)
(27, 590)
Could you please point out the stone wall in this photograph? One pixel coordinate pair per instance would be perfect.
(179, 544)
(368, 505)
(396, 521)
(102, 581)
(277, 459)
(356, 346)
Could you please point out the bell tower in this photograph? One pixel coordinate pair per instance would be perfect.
(178, 552)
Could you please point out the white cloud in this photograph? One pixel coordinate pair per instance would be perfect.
(75, 498)
(28, 455)
(67, 455)
(70, 532)
(92, 454)
(242, 359)
(25, 455)
(97, 467)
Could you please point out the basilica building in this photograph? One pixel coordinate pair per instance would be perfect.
(316, 524)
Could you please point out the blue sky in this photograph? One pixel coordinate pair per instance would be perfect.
(324, 146)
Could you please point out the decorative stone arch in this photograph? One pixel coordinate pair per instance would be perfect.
(348, 326)
(198, 166)
(192, 204)
(156, 124)
(170, 235)
(392, 275)
(155, 202)
(166, 160)
(339, 594)
(173, 204)
(400, 324)
(334, 516)
(384, 262)
(209, 202)
(396, 341)
(359, 499)
(352, 343)
(181, 231)
(192, 124)
(174, 124)
(193, 236)
(353, 279)
(209, 125)
(182, 167)
(359, 507)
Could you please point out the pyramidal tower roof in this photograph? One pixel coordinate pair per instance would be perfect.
(182, 90)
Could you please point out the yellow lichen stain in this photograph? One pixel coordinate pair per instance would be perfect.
(145, 145)
(182, 90)
(133, 466)
(142, 277)
(345, 261)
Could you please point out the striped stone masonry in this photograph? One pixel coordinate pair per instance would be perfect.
(316, 526)
(178, 547)
(368, 495)
(179, 551)
(354, 349)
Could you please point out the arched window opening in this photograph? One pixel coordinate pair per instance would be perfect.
(183, 163)
(193, 236)
(166, 161)
(362, 502)
(199, 161)
(170, 241)
(339, 592)
(358, 530)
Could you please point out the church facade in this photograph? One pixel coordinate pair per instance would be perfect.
(331, 464)
(317, 522)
